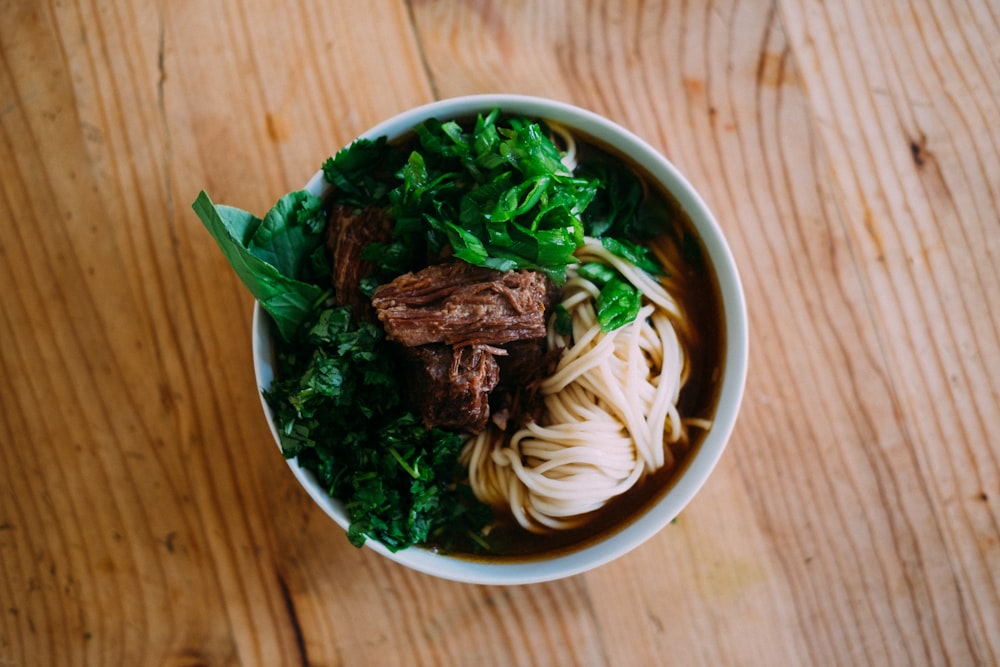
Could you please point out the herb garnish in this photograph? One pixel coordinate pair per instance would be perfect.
(338, 406)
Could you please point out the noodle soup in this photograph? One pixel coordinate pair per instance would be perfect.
(709, 324)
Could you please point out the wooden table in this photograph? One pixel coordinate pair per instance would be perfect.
(851, 151)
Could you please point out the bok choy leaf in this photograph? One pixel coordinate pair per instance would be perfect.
(278, 258)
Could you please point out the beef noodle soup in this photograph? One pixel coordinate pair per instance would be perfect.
(497, 338)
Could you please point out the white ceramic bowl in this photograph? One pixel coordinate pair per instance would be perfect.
(700, 461)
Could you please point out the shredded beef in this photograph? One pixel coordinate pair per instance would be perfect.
(350, 231)
(460, 304)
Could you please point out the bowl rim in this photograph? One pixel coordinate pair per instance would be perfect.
(698, 465)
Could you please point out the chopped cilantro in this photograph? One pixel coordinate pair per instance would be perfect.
(340, 413)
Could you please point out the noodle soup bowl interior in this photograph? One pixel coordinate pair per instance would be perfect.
(632, 529)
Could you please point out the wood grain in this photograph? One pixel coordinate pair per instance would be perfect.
(851, 152)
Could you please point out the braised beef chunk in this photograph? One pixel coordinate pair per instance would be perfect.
(516, 401)
(349, 232)
(451, 387)
(526, 362)
(456, 324)
(460, 304)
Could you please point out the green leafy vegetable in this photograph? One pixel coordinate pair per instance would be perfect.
(495, 192)
(563, 320)
(276, 258)
(618, 301)
(620, 207)
(596, 272)
(362, 172)
(635, 253)
(341, 414)
(617, 304)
